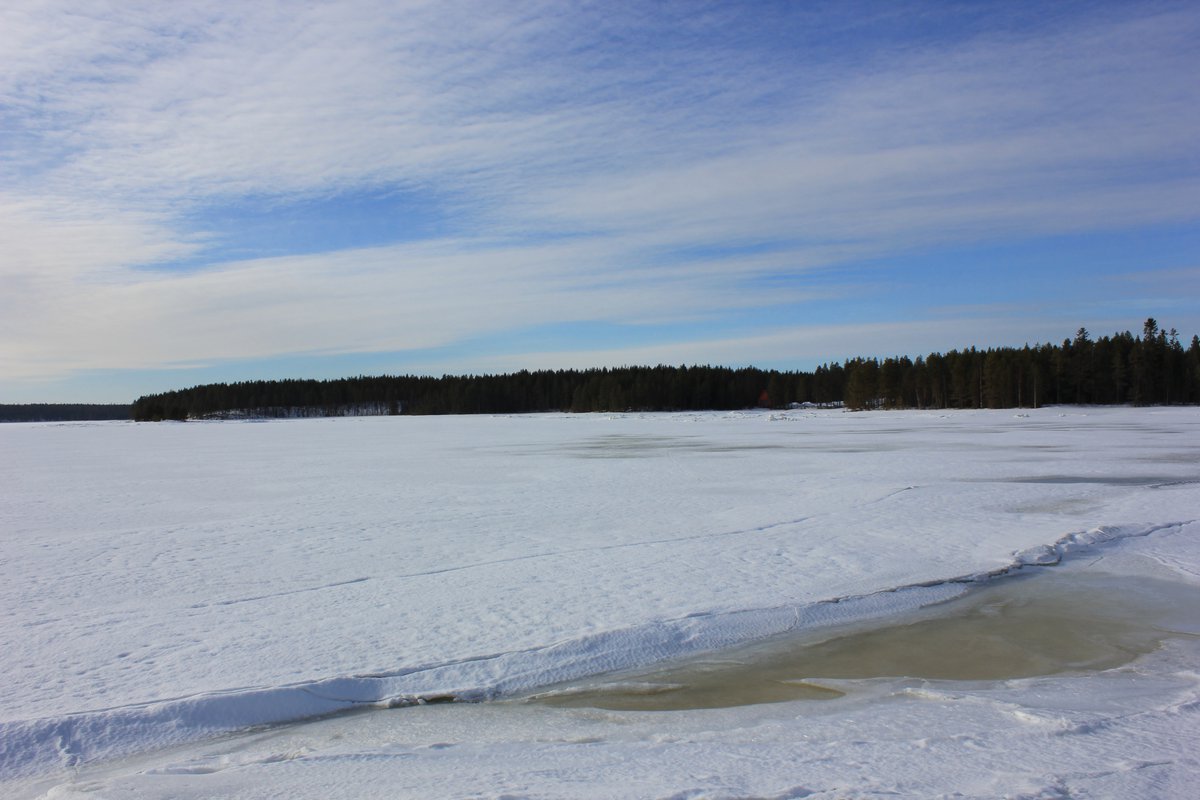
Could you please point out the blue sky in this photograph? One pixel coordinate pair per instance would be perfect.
(196, 191)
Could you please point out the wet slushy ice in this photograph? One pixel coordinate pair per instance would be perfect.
(1048, 621)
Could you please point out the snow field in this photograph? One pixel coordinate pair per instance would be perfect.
(164, 583)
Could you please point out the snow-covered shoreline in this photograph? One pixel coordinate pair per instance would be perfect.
(168, 583)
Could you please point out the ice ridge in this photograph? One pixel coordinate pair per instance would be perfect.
(31, 747)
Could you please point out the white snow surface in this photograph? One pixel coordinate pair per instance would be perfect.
(164, 587)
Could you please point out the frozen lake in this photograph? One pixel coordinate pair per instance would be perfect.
(168, 589)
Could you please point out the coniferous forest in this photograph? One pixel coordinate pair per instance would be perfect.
(62, 412)
(1151, 369)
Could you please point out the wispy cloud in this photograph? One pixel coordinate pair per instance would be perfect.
(594, 162)
(407, 297)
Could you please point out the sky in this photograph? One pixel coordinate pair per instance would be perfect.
(193, 192)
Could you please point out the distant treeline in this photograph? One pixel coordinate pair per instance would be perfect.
(1154, 368)
(62, 412)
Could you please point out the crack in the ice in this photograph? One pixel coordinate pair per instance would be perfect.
(601, 548)
(547, 554)
(237, 600)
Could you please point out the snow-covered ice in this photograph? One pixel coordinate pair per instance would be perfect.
(165, 588)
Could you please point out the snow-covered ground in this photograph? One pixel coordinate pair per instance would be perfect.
(165, 587)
